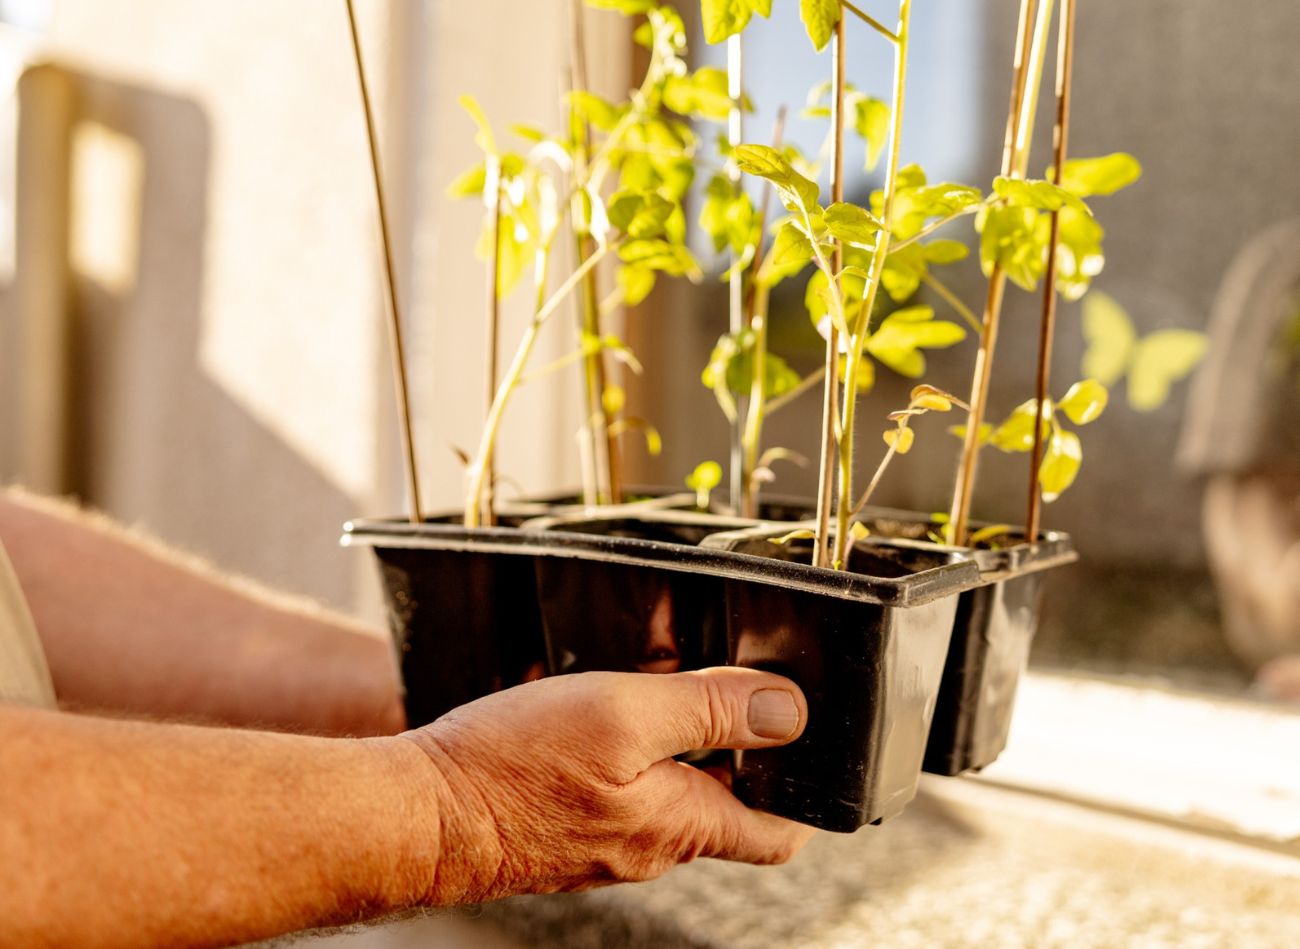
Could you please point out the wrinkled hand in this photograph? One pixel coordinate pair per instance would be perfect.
(569, 783)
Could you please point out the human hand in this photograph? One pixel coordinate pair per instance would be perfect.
(569, 783)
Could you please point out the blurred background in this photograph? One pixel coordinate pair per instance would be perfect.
(192, 317)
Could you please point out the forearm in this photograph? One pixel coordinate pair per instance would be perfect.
(134, 834)
(130, 627)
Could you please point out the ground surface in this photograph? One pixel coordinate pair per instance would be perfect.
(967, 865)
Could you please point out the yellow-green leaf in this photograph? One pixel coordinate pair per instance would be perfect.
(1060, 464)
(1084, 401)
(1110, 336)
(820, 17)
(852, 224)
(723, 18)
(1103, 175)
(639, 215)
(798, 193)
(790, 253)
(871, 121)
(1017, 432)
(900, 439)
(469, 184)
(1160, 360)
(613, 399)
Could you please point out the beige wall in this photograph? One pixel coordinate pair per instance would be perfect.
(231, 385)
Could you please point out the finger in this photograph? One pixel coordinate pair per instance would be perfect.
(712, 708)
(725, 828)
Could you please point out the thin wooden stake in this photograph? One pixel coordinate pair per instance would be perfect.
(497, 186)
(1047, 329)
(396, 348)
(736, 282)
(830, 403)
(964, 488)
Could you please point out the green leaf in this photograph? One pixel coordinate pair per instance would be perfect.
(904, 333)
(945, 251)
(1104, 175)
(900, 439)
(702, 95)
(791, 251)
(636, 283)
(1016, 239)
(1016, 434)
(1160, 360)
(797, 193)
(484, 139)
(594, 110)
(723, 18)
(627, 7)
(820, 17)
(986, 432)
(1078, 253)
(871, 122)
(1037, 194)
(852, 224)
(639, 215)
(706, 476)
(529, 133)
(1110, 336)
(1084, 401)
(728, 216)
(469, 184)
(663, 256)
(732, 364)
(1060, 464)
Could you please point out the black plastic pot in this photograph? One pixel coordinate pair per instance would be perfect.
(461, 603)
(992, 634)
(868, 648)
(464, 620)
(615, 617)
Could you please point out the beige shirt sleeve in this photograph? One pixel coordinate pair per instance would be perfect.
(24, 675)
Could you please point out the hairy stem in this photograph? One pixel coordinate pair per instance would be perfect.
(858, 338)
(830, 409)
(487, 443)
(953, 301)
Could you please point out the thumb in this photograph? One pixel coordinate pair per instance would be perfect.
(714, 708)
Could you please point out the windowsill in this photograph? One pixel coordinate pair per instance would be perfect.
(1220, 765)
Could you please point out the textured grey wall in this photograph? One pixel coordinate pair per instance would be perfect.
(1206, 95)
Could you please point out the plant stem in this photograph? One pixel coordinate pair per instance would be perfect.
(830, 408)
(858, 339)
(1047, 329)
(396, 347)
(494, 183)
(806, 384)
(752, 438)
(933, 226)
(1012, 159)
(875, 478)
(597, 451)
(487, 443)
(953, 301)
(738, 494)
(871, 21)
(756, 409)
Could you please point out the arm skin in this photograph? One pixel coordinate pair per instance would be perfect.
(117, 833)
(132, 628)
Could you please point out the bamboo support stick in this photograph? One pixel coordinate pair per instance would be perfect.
(738, 494)
(495, 187)
(1012, 158)
(830, 402)
(1047, 328)
(396, 347)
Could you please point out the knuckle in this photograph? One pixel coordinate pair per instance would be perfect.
(718, 711)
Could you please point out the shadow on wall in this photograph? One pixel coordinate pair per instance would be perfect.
(153, 439)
